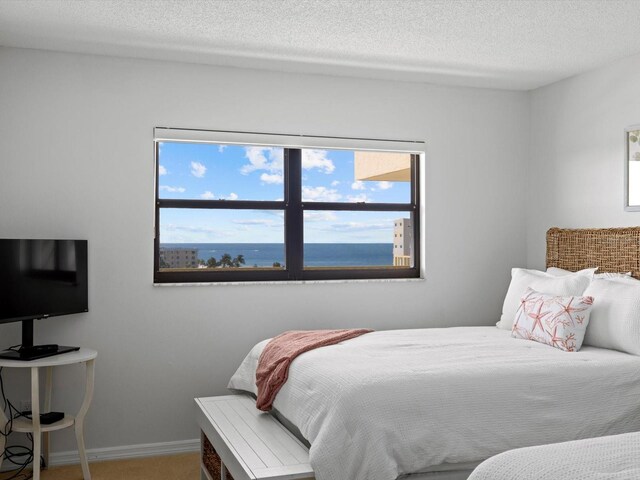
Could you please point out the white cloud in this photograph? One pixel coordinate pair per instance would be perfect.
(189, 228)
(208, 195)
(162, 170)
(361, 226)
(272, 178)
(358, 185)
(267, 222)
(221, 148)
(358, 198)
(320, 216)
(317, 159)
(384, 185)
(261, 158)
(191, 233)
(320, 194)
(167, 188)
(335, 183)
(198, 169)
(380, 229)
(272, 160)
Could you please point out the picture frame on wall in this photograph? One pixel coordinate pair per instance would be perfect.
(632, 168)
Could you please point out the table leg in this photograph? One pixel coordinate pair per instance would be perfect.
(47, 408)
(79, 424)
(35, 415)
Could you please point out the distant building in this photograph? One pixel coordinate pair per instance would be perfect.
(402, 242)
(178, 257)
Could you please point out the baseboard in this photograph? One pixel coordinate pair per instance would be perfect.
(122, 453)
(127, 451)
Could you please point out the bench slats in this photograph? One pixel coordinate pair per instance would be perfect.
(256, 443)
(236, 440)
(289, 472)
(260, 446)
(227, 454)
(289, 453)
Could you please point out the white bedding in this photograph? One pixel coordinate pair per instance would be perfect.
(395, 402)
(613, 457)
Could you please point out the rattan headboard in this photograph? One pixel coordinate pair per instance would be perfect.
(610, 249)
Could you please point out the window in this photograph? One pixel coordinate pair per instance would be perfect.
(258, 207)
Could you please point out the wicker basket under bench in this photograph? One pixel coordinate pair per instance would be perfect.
(241, 443)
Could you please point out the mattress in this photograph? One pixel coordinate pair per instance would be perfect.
(615, 456)
(397, 402)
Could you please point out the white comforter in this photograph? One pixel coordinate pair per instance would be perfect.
(613, 457)
(402, 401)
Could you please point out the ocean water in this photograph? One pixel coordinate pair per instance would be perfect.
(315, 254)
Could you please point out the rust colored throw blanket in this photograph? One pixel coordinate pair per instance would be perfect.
(273, 365)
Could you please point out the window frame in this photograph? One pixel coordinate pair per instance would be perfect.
(293, 208)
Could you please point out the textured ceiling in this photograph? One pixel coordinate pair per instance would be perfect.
(514, 44)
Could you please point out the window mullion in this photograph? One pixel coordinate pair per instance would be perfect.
(358, 207)
(415, 218)
(221, 204)
(294, 242)
(156, 225)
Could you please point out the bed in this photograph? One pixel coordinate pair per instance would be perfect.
(434, 403)
(612, 457)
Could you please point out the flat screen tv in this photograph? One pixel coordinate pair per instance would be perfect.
(40, 279)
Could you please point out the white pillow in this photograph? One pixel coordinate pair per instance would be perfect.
(561, 271)
(572, 284)
(615, 317)
(613, 275)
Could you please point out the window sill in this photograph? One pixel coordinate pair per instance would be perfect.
(290, 282)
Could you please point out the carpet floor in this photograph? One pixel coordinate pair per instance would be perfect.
(171, 467)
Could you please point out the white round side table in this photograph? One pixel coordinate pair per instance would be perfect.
(41, 432)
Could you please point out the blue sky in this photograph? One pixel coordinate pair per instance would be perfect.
(209, 171)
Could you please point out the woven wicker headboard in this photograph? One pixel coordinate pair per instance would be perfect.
(610, 249)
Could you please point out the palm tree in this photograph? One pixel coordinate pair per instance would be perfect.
(239, 260)
(211, 263)
(226, 261)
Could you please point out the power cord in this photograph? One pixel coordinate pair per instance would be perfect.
(10, 453)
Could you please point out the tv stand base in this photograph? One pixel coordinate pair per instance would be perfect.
(36, 352)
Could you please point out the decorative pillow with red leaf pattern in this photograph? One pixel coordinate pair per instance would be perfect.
(554, 320)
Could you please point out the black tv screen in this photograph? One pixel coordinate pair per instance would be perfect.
(42, 278)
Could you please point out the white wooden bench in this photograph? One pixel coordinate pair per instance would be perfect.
(251, 444)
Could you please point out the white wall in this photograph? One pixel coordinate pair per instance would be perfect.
(76, 161)
(577, 152)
